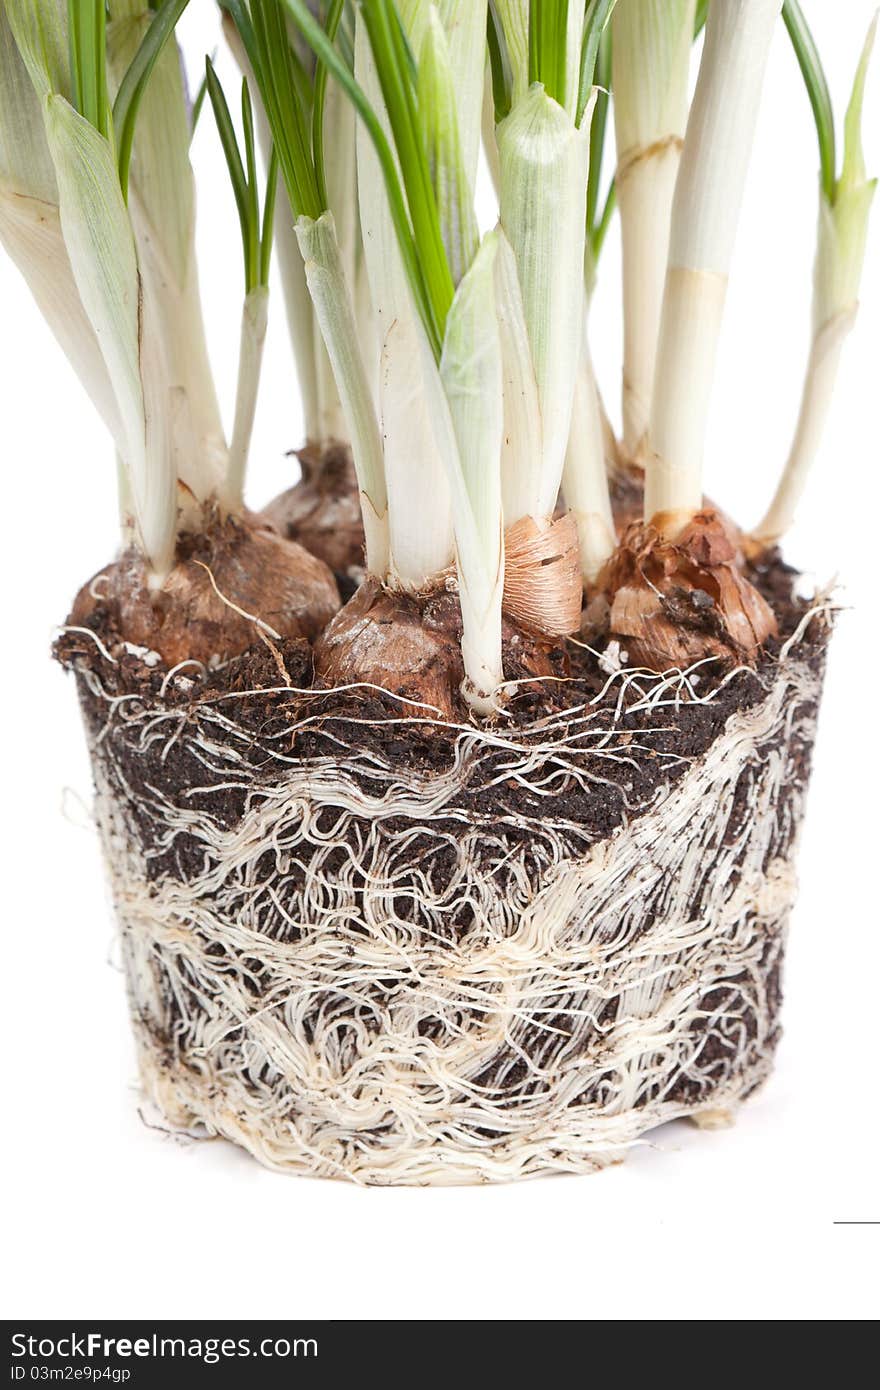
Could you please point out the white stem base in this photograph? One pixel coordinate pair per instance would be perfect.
(585, 478)
(254, 320)
(815, 404)
(693, 308)
(644, 195)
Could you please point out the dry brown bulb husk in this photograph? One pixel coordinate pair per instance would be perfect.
(542, 579)
(626, 486)
(410, 645)
(322, 512)
(672, 603)
(235, 582)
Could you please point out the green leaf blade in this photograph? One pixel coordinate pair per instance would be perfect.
(816, 83)
(438, 118)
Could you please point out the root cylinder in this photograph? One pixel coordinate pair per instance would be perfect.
(367, 946)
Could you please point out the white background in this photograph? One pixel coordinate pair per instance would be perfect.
(109, 1218)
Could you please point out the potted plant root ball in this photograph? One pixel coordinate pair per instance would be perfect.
(488, 870)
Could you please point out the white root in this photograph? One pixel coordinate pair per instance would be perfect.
(364, 976)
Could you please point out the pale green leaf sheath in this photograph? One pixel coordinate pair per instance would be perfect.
(333, 307)
(339, 142)
(25, 163)
(30, 227)
(419, 509)
(99, 241)
(543, 212)
(40, 31)
(522, 440)
(161, 204)
(840, 257)
(464, 24)
(252, 340)
(514, 18)
(584, 478)
(471, 373)
(438, 109)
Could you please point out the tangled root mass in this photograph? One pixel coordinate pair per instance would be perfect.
(359, 957)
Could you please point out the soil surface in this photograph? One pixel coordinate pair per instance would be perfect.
(271, 688)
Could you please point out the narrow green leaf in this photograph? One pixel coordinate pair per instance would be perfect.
(317, 39)
(134, 84)
(596, 19)
(87, 28)
(813, 73)
(853, 171)
(267, 230)
(334, 15)
(599, 230)
(198, 103)
(513, 22)
(297, 302)
(160, 170)
(440, 137)
(499, 61)
(252, 279)
(285, 100)
(237, 176)
(548, 37)
(394, 77)
(256, 231)
(598, 128)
